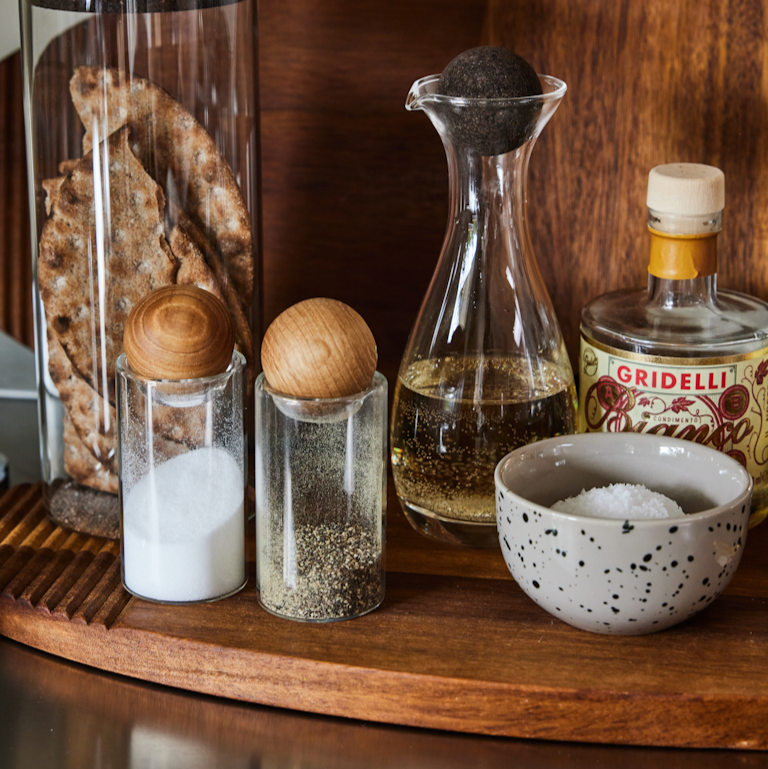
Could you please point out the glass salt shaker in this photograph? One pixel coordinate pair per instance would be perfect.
(182, 500)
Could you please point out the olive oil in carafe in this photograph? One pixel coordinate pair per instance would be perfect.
(446, 444)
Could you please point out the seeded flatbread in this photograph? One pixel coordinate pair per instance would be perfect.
(66, 166)
(52, 187)
(178, 153)
(136, 260)
(182, 426)
(198, 242)
(193, 269)
(88, 413)
(81, 465)
(93, 418)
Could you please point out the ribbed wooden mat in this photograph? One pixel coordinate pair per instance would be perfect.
(57, 573)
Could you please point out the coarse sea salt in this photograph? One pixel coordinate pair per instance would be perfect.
(620, 500)
(184, 529)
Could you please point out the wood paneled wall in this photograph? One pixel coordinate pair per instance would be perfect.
(650, 82)
(15, 260)
(355, 188)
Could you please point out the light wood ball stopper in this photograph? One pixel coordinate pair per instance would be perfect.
(319, 348)
(179, 332)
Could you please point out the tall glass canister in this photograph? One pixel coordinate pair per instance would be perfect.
(142, 131)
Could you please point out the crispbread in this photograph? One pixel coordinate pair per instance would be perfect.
(93, 418)
(200, 243)
(136, 259)
(193, 269)
(81, 465)
(182, 426)
(155, 153)
(52, 187)
(178, 153)
(67, 165)
(87, 412)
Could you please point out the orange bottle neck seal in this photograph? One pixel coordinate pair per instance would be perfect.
(682, 257)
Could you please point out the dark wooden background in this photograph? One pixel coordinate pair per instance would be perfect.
(355, 188)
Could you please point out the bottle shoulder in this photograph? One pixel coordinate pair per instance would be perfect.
(732, 323)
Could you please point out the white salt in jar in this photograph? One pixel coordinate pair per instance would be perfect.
(182, 484)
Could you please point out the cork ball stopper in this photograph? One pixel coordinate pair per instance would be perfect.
(686, 189)
(179, 332)
(319, 348)
(489, 72)
(486, 73)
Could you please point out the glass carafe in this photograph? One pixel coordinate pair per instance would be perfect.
(485, 369)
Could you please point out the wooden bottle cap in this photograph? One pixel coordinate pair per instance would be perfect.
(179, 332)
(319, 348)
(686, 189)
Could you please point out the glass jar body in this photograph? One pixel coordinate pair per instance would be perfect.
(485, 369)
(321, 503)
(143, 148)
(182, 504)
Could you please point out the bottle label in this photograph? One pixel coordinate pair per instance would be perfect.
(718, 402)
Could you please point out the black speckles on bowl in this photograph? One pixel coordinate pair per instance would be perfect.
(617, 576)
(607, 582)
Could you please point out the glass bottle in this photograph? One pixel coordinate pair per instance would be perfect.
(681, 358)
(485, 369)
(142, 134)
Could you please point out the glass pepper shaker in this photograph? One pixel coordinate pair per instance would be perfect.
(321, 451)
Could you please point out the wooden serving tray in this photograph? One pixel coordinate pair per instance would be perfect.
(456, 645)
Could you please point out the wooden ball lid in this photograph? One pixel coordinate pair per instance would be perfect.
(319, 348)
(179, 332)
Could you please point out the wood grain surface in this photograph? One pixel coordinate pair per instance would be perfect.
(455, 646)
(356, 188)
(15, 259)
(319, 348)
(127, 718)
(650, 82)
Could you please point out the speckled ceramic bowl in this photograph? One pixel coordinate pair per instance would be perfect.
(620, 576)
